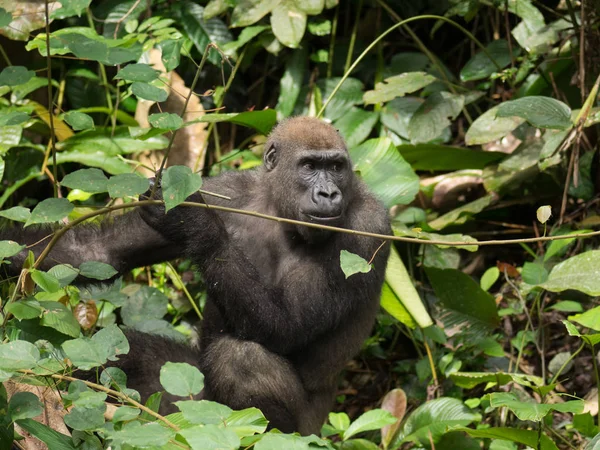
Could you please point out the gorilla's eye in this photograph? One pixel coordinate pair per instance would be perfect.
(336, 167)
(308, 166)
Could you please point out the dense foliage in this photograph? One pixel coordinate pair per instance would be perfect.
(470, 119)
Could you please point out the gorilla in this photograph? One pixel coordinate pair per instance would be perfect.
(281, 319)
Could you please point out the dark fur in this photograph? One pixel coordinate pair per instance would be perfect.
(281, 320)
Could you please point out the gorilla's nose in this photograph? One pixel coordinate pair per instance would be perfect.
(328, 196)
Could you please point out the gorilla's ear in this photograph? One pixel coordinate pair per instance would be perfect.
(270, 157)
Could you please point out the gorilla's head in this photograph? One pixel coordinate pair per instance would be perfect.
(309, 174)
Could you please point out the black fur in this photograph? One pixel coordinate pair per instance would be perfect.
(281, 320)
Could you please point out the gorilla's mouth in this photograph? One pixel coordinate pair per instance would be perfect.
(324, 218)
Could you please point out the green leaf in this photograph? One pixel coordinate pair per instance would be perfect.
(291, 82)
(251, 11)
(14, 118)
(178, 183)
(44, 280)
(79, 120)
(204, 411)
(281, 441)
(137, 72)
(356, 125)
(148, 435)
(167, 121)
(148, 92)
(350, 93)
(396, 114)
(59, 317)
(590, 339)
(429, 121)
(490, 127)
(202, 32)
(534, 273)
(430, 421)
(24, 405)
(125, 414)
(262, 121)
(127, 184)
(15, 75)
(7, 427)
(397, 86)
(589, 319)
(92, 181)
(527, 437)
(50, 210)
(443, 157)
(481, 66)
(112, 341)
(171, 53)
(396, 276)
(84, 353)
(244, 37)
(247, 422)
(579, 272)
(9, 248)
(145, 304)
(489, 277)
(468, 380)
(352, 264)
(461, 214)
(18, 355)
(288, 23)
(210, 437)
(53, 439)
(567, 306)
(181, 379)
(16, 213)
(472, 307)
(394, 307)
(25, 309)
(540, 112)
(5, 18)
(96, 270)
(530, 410)
(387, 174)
(371, 420)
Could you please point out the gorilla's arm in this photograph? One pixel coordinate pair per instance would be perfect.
(124, 242)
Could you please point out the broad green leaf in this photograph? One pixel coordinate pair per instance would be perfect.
(18, 355)
(125, 414)
(9, 248)
(210, 437)
(59, 317)
(471, 307)
(281, 441)
(530, 410)
(356, 125)
(580, 272)
(178, 183)
(53, 439)
(340, 421)
(204, 411)
(24, 405)
(288, 23)
(44, 280)
(389, 176)
(534, 273)
(181, 379)
(84, 353)
(349, 94)
(78, 120)
(352, 264)
(113, 342)
(15, 75)
(148, 435)
(481, 66)
(589, 319)
(397, 86)
(291, 82)
(262, 121)
(137, 72)
(443, 157)
(468, 380)
(248, 12)
(430, 421)
(371, 420)
(527, 437)
(25, 309)
(319, 26)
(5, 18)
(490, 127)
(394, 307)
(594, 444)
(489, 277)
(50, 210)
(396, 276)
(70, 8)
(567, 306)
(214, 8)
(97, 270)
(143, 305)
(396, 114)
(92, 181)
(555, 247)
(167, 121)
(540, 112)
(560, 360)
(14, 118)
(461, 214)
(429, 121)
(127, 184)
(247, 34)
(247, 422)
(171, 53)
(590, 339)
(146, 91)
